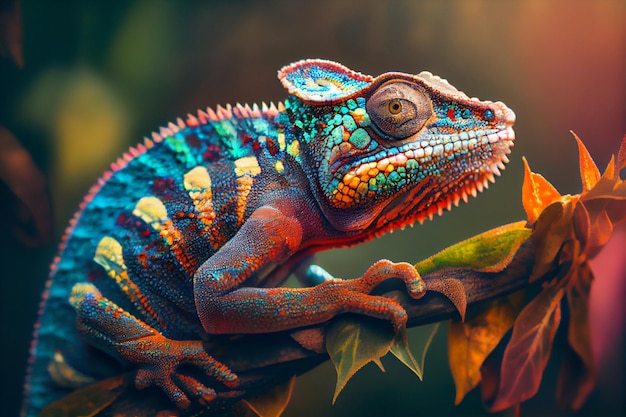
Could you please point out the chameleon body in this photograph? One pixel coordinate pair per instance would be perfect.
(191, 233)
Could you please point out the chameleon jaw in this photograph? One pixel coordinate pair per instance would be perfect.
(421, 202)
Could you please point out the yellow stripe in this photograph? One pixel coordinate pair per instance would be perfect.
(153, 212)
(244, 186)
(246, 169)
(281, 141)
(109, 255)
(197, 182)
(248, 165)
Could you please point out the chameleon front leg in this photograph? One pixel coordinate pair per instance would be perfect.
(116, 331)
(271, 237)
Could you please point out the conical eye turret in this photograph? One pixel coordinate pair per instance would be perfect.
(399, 109)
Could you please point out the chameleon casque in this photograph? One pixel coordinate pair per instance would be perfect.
(191, 233)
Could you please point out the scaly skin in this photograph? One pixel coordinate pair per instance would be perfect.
(190, 234)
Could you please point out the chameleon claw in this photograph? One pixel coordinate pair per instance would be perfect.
(385, 269)
(452, 289)
(191, 385)
(179, 387)
(416, 288)
(149, 377)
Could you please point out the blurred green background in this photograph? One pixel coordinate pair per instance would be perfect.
(99, 75)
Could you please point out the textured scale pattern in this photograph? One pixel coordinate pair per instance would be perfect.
(191, 232)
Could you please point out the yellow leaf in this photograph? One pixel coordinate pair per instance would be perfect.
(589, 172)
(537, 193)
(470, 343)
(272, 402)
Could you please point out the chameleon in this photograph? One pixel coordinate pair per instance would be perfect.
(191, 233)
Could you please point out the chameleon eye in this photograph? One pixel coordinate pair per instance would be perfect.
(395, 106)
(399, 109)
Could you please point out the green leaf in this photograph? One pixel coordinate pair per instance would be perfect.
(89, 401)
(491, 251)
(353, 342)
(400, 350)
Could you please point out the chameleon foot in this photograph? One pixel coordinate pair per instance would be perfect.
(385, 269)
(354, 295)
(156, 357)
(165, 356)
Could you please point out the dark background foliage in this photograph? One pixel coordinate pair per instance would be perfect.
(99, 75)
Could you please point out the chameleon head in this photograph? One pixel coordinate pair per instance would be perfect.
(385, 152)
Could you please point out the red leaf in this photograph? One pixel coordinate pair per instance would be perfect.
(593, 228)
(577, 376)
(11, 32)
(25, 204)
(528, 351)
(607, 310)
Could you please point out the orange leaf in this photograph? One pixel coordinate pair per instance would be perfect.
(608, 186)
(528, 351)
(537, 193)
(589, 172)
(610, 171)
(601, 231)
(608, 195)
(89, 401)
(592, 226)
(616, 207)
(582, 225)
(470, 343)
